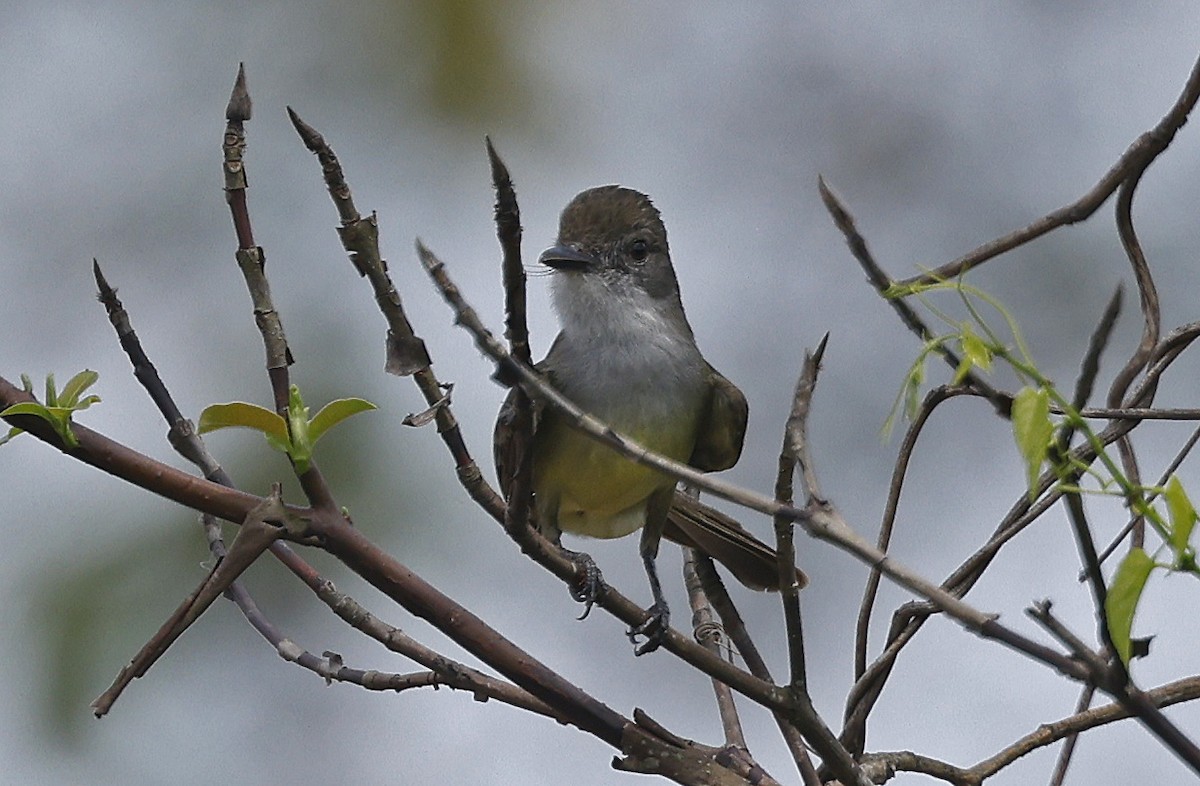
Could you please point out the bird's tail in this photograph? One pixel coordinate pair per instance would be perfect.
(754, 563)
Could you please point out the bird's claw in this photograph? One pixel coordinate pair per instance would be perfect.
(654, 628)
(589, 585)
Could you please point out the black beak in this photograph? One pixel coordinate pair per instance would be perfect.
(563, 257)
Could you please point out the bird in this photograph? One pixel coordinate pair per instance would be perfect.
(627, 355)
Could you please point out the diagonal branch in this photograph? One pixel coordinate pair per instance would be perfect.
(1002, 402)
(1136, 157)
(406, 352)
(260, 529)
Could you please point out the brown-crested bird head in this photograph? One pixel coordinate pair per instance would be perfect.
(618, 234)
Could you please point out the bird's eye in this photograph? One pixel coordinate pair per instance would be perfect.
(638, 249)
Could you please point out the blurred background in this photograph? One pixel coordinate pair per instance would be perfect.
(941, 125)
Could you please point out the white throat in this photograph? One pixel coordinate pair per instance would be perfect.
(621, 350)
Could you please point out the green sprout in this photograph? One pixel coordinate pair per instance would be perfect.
(294, 436)
(58, 407)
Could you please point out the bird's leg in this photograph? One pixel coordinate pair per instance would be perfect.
(658, 619)
(589, 585)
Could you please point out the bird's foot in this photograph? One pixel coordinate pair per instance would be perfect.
(654, 628)
(589, 585)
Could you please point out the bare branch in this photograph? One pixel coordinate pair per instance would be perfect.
(260, 529)
(1187, 689)
(883, 283)
(709, 633)
(795, 454)
(858, 704)
(1137, 157)
(406, 352)
(508, 231)
(735, 626)
(1089, 367)
(1068, 749)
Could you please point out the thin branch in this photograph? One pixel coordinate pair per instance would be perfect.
(1068, 749)
(908, 620)
(1101, 671)
(1112, 677)
(735, 626)
(1089, 368)
(1187, 689)
(1180, 455)
(450, 672)
(1091, 566)
(1138, 413)
(508, 231)
(1152, 328)
(406, 352)
(260, 528)
(795, 455)
(885, 764)
(854, 730)
(250, 257)
(183, 437)
(251, 261)
(1002, 402)
(1139, 154)
(519, 420)
(709, 633)
(1147, 291)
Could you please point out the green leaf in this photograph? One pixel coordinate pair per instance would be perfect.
(239, 414)
(1033, 430)
(912, 389)
(85, 403)
(23, 408)
(1123, 596)
(976, 349)
(58, 417)
(300, 444)
(28, 408)
(335, 412)
(51, 392)
(1182, 515)
(74, 388)
(965, 364)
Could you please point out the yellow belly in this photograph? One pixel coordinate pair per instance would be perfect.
(598, 492)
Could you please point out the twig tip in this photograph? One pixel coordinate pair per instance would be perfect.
(832, 202)
(102, 285)
(819, 352)
(238, 110)
(308, 135)
(426, 256)
(499, 170)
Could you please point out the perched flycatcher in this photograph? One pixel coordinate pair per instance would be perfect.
(626, 355)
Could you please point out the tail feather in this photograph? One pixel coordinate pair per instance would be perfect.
(752, 562)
